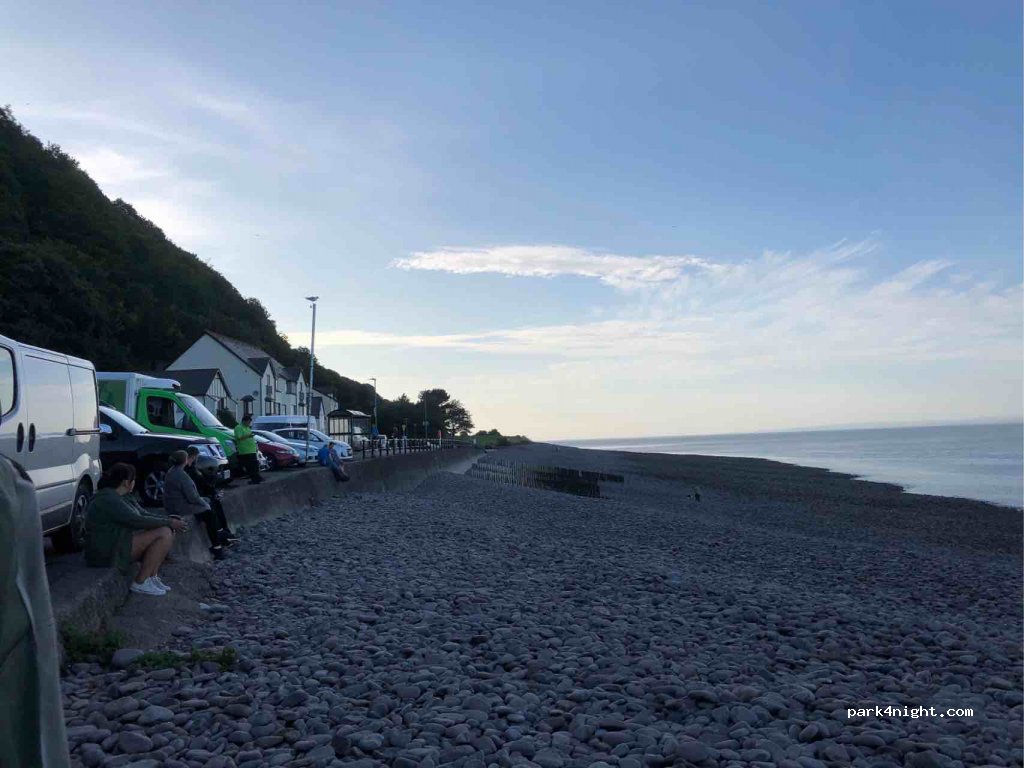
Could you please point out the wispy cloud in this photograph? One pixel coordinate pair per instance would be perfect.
(109, 167)
(624, 272)
(775, 310)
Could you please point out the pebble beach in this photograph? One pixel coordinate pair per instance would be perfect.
(477, 624)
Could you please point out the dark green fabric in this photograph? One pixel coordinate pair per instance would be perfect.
(19, 692)
(245, 441)
(110, 522)
(32, 731)
(19, 705)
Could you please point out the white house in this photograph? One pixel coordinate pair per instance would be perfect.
(262, 385)
(258, 383)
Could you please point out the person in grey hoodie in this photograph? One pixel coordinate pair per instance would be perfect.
(181, 498)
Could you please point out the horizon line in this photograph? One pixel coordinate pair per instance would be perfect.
(985, 422)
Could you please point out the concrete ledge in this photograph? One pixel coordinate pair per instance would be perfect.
(85, 597)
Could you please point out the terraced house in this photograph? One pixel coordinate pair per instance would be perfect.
(262, 384)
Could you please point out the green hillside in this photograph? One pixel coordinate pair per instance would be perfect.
(88, 276)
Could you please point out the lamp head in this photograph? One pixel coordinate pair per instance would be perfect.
(312, 298)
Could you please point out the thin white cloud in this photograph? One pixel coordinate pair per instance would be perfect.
(624, 272)
(108, 167)
(106, 116)
(774, 311)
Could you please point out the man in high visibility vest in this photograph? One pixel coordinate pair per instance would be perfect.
(245, 442)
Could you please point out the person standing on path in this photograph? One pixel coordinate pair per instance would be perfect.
(32, 731)
(245, 442)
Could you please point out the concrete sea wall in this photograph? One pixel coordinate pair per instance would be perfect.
(84, 597)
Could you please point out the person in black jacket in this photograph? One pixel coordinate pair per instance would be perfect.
(215, 520)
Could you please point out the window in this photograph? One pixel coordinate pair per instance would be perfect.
(290, 388)
(164, 412)
(200, 411)
(50, 388)
(7, 389)
(83, 395)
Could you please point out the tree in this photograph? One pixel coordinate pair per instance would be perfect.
(457, 418)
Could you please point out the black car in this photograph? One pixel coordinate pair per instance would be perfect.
(125, 440)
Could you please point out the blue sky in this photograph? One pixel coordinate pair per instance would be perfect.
(583, 220)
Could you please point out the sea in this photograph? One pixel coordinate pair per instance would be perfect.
(977, 461)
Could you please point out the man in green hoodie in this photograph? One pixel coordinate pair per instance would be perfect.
(245, 442)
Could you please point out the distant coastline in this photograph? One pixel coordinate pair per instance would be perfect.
(984, 462)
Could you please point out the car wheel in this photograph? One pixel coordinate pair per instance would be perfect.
(272, 463)
(151, 485)
(71, 538)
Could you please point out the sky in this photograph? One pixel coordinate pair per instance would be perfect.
(581, 219)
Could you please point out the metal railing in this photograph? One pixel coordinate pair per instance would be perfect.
(388, 446)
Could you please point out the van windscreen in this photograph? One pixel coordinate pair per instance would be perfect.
(203, 416)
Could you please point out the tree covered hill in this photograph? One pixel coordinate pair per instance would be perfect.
(88, 276)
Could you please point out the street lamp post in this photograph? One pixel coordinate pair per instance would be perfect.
(375, 402)
(309, 393)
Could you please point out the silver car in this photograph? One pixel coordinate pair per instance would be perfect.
(296, 438)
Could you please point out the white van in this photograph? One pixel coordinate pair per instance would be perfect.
(274, 423)
(49, 424)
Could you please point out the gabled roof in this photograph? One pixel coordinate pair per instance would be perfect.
(197, 381)
(252, 356)
(259, 364)
(292, 373)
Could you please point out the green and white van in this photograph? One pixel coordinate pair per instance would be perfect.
(160, 406)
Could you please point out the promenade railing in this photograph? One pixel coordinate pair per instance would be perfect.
(393, 446)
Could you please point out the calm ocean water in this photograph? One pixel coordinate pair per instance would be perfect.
(982, 461)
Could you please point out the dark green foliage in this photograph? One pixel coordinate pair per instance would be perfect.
(89, 647)
(225, 657)
(494, 439)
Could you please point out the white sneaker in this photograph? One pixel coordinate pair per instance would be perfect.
(147, 588)
(160, 583)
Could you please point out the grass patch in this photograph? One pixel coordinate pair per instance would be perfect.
(89, 647)
(225, 657)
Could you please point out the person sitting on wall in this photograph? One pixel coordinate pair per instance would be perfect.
(245, 441)
(117, 534)
(329, 458)
(206, 484)
(181, 498)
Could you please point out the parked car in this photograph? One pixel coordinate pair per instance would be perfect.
(296, 438)
(159, 406)
(276, 438)
(358, 440)
(125, 440)
(278, 455)
(49, 423)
